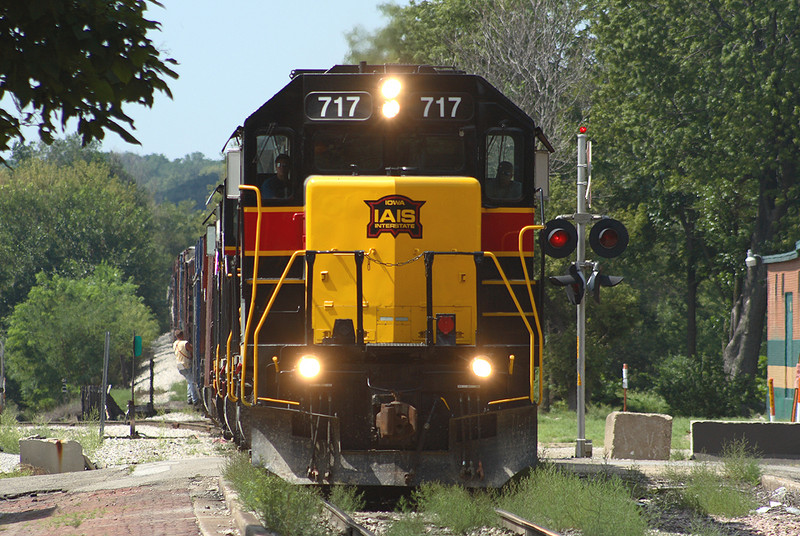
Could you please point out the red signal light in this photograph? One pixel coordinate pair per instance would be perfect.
(582, 130)
(608, 238)
(558, 238)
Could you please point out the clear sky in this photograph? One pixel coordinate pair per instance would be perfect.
(234, 55)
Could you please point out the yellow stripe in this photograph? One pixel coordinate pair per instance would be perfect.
(505, 314)
(287, 253)
(507, 210)
(512, 254)
(274, 209)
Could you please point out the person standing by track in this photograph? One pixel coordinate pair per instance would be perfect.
(183, 360)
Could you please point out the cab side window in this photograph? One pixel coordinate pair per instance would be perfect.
(503, 166)
(274, 166)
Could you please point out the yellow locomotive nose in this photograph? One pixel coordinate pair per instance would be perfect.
(394, 221)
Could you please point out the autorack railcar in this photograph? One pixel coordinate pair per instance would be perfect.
(363, 308)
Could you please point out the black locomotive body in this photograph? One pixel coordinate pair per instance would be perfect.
(362, 310)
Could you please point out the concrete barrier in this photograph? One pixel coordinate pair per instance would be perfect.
(764, 439)
(638, 436)
(52, 455)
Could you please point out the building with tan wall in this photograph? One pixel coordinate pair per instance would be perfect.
(783, 326)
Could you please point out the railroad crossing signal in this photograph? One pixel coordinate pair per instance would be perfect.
(558, 238)
(608, 237)
(597, 280)
(575, 282)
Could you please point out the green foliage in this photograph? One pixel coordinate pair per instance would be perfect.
(77, 60)
(559, 424)
(284, 508)
(699, 386)
(707, 493)
(698, 121)
(348, 498)
(191, 178)
(67, 219)
(599, 506)
(66, 209)
(407, 526)
(59, 332)
(739, 463)
(10, 432)
(646, 402)
(455, 507)
(419, 32)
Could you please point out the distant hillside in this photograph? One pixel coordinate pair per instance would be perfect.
(192, 177)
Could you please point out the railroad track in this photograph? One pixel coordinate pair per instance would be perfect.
(339, 519)
(522, 526)
(513, 522)
(199, 425)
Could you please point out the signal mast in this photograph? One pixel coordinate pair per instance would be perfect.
(608, 238)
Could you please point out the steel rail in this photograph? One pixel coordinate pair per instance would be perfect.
(344, 522)
(522, 526)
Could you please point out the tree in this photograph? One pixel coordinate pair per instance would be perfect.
(77, 60)
(66, 219)
(700, 104)
(58, 333)
(535, 51)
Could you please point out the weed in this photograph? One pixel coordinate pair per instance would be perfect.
(600, 506)
(708, 493)
(408, 526)
(347, 498)
(287, 509)
(455, 507)
(739, 462)
(10, 432)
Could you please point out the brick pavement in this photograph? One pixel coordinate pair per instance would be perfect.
(151, 510)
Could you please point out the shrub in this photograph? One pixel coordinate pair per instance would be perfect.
(699, 386)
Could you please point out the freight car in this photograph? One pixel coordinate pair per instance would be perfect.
(362, 307)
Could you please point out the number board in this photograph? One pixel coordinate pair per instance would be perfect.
(444, 106)
(339, 105)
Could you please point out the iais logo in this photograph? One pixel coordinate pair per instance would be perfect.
(394, 214)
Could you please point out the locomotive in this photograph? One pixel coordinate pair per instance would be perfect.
(362, 308)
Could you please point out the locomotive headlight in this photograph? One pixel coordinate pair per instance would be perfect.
(391, 108)
(482, 367)
(390, 88)
(308, 366)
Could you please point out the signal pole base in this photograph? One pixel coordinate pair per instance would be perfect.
(583, 448)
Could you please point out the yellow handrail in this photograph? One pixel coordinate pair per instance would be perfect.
(264, 318)
(527, 325)
(229, 369)
(533, 306)
(254, 287)
(215, 383)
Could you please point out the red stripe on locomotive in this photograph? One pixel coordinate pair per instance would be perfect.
(500, 231)
(280, 230)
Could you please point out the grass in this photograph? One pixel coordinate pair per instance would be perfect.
(348, 498)
(10, 432)
(560, 425)
(600, 506)
(455, 507)
(282, 507)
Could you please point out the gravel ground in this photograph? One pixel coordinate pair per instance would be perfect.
(158, 440)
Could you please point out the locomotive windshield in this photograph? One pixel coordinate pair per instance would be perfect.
(363, 152)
